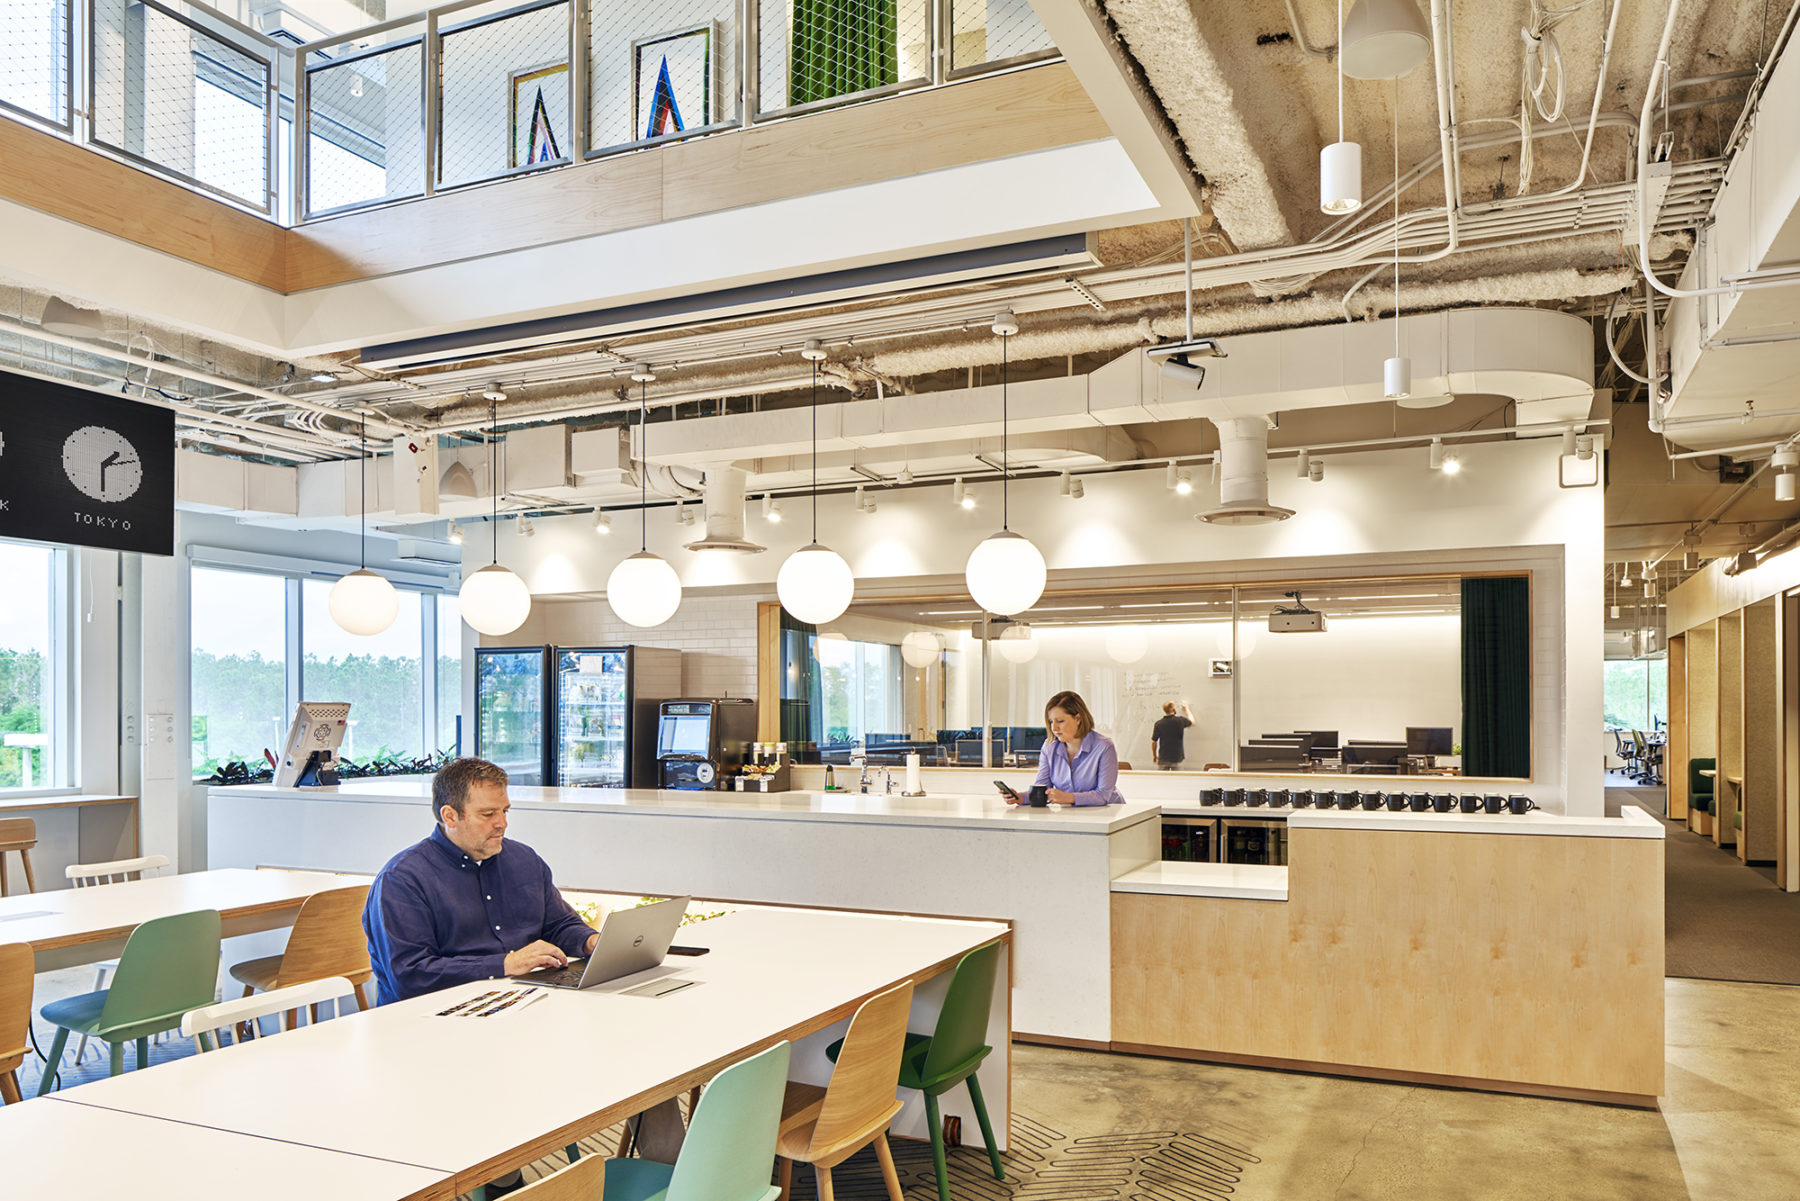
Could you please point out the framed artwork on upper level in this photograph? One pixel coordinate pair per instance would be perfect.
(674, 79)
(539, 115)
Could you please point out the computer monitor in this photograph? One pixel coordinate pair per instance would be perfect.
(1386, 754)
(1270, 757)
(1428, 740)
(1322, 740)
(313, 738)
(968, 750)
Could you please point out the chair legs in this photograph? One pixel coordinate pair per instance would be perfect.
(987, 1127)
(9, 1087)
(934, 1122)
(53, 1060)
(886, 1155)
(99, 983)
(784, 1168)
(118, 1059)
(822, 1174)
(143, 1049)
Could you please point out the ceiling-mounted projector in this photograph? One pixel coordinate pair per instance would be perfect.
(1296, 618)
(1177, 360)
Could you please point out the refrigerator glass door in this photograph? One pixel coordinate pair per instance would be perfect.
(592, 718)
(509, 699)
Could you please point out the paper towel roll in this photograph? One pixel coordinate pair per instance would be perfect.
(913, 786)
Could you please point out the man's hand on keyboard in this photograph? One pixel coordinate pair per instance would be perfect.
(533, 956)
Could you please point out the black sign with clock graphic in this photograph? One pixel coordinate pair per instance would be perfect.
(85, 468)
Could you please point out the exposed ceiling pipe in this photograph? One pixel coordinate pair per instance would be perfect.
(565, 407)
(1306, 47)
(1244, 474)
(725, 487)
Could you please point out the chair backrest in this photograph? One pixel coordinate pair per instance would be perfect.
(1637, 741)
(1698, 783)
(961, 1034)
(17, 830)
(583, 1180)
(867, 1077)
(170, 965)
(198, 1023)
(114, 871)
(328, 939)
(16, 970)
(729, 1151)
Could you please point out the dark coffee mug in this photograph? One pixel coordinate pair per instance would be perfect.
(1234, 796)
(1373, 800)
(1303, 800)
(1520, 804)
(1212, 796)
(1443, 802)
(1256, 796)
(1421, 801)
(1280, 798)
(1494, 804)
(1396, 801)
(1040, 795)
(1471, 803)
(1343, 800)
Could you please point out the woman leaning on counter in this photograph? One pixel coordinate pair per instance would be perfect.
(1079, 764)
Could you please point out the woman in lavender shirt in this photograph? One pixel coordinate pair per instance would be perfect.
(1079, 764)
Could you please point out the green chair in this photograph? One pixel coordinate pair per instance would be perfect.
(170, 965)
(729, 1152)
(937, 1062)
(1700, 788)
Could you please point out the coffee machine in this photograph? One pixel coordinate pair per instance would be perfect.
(700, 743)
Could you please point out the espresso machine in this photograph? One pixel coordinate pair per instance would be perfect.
(702, 743)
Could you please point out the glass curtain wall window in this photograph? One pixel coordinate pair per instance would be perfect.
(33, 655)
(238, 697)
(449, 675)
(1637, 694)
(380, 675)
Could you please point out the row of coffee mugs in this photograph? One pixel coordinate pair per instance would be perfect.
(1394, 802)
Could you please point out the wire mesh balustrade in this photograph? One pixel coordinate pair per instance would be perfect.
(661, 73)
(365, 133)
(506, 92)
(35, 58)
(811, 52)
(169, 92)
(989, 33)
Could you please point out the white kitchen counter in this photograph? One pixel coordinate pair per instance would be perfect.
(1632, 822)
(1243, 881)
(967, 811)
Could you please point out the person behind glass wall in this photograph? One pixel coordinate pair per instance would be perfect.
(1078, 764)
(1166, 749)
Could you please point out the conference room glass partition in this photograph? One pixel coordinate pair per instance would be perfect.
(1416, 676)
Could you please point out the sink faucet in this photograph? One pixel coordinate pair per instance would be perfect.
(865, 778)
(890, 782)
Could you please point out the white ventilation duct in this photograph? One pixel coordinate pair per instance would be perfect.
(1244, 474)
(725, 513)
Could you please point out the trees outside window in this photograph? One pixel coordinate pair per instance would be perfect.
(28, 739)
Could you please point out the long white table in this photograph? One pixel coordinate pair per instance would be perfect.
(1047, 871)
(85, 925)
(83, 1153)
(472, 1098)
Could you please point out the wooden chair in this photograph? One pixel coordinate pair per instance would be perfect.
(113, 871)
(241, 1013)
(328, 941)
(825, 1126)
(17, 834)
(16, 970)
(583, 1180)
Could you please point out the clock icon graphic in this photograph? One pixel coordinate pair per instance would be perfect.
(102, 464)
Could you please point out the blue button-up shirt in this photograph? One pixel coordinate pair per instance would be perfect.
(436, 917)
(1092, 779)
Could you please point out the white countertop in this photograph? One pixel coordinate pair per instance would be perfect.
(1632, 822)
(945, 810)
(1240, 881)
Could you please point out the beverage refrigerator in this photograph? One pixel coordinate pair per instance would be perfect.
(573, 716)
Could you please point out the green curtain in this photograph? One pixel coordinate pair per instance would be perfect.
(841, 46)
(1496, 676)
(802, 701)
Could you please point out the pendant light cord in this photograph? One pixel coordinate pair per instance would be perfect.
(494, 470)
(1396, 107)
(644, 466)
(1340, 67)
(365, 491)
(1005, 459)
(815, 449)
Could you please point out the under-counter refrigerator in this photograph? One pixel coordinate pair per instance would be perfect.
(605, 705)
(513, 700)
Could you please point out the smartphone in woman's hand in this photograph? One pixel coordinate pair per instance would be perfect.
(1011, 796)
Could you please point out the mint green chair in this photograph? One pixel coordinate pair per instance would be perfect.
(170, 965)
(937, 1062)
(729, 1152)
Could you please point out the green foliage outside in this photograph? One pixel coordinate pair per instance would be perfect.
(1637, 694)
(239, 704)
(21, 712)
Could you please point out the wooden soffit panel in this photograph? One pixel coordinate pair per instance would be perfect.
(46, 173)
(975, 121)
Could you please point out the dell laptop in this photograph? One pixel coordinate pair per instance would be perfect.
(631, 940)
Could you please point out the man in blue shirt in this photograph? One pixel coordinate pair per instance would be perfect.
(465, 904)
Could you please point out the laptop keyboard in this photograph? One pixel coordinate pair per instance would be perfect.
(567, 976)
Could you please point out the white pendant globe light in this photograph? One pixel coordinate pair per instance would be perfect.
(1340, 164)
(1127, 644)
(1017, 645)
(1383, 39)
(643, 589)
(815, 584)
(494, 601)
(362, 602)
(920, 648)
(1006, 573)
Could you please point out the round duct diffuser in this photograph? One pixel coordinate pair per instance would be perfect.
(1251, 514)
